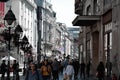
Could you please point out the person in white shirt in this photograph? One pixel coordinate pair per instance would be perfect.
(69, 71)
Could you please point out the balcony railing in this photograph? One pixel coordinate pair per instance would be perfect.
(78, 7)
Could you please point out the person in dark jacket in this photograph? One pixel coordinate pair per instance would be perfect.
(101, 71)
(76, 68)
(3, 68)
(33, 73)
(15, 68)
(82, 69)
(55, 70)
(88, 69)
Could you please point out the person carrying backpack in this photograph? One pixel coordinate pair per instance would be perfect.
(46, 70)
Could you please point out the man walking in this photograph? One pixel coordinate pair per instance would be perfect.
(15, 70)
(55, 66)
(3, 68)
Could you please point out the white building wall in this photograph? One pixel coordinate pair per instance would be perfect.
(25, 12)
(48, 22)
(68, 46)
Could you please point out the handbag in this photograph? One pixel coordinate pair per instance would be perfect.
(65, 77)
(96, 74)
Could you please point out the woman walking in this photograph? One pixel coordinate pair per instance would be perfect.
(46, 70)
(69, 71)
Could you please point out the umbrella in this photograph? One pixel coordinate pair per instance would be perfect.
(6, 58)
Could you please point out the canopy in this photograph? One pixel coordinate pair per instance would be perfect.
(85, 20)
(6, 58)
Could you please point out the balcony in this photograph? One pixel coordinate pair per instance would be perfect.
(78, 7)
(86, 20)
(48, 44)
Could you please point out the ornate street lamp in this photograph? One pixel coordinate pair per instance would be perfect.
(9, 17)
(25, 39)
(17, 34)
(8, 20)
(4, 0)
(27, 48)
(18, 29)
(24, 43)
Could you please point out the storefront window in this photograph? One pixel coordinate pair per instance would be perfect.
(108, 40)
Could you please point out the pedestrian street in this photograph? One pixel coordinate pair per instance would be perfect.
(60, 77)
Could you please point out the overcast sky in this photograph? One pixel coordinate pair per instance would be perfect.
(64, 11)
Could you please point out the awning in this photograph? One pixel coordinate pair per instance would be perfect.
(6, 58)
(85, 20)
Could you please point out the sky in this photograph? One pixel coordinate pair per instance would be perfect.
(64, 11)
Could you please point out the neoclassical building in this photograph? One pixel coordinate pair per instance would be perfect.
(25, 13)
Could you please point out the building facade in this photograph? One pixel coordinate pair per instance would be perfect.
(47, 37)
(99, 36)
(25, 13)
(3, 45)
(48, 24)
(74, 33)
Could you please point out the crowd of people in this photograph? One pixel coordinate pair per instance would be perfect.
(12, 68)
(50, 70)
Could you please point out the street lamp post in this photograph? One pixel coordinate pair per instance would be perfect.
(18, 32)
(26, 47)
(23, 47)
(8, 20)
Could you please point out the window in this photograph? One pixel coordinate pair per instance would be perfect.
(105, 41)
(108, 44)
(88, 45)
(88, 11)
(108, 27)
(95, 6)
(108, 40)
(106, 2)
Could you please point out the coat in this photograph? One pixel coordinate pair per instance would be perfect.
(33, 76)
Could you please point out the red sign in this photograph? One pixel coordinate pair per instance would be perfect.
(2, 7)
